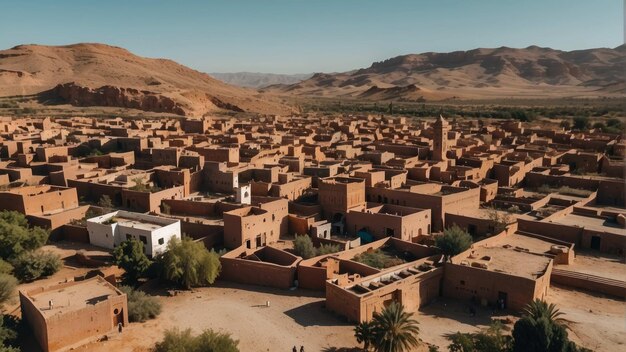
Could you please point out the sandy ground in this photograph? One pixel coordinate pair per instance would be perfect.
(590, 262)
(597, 322)
(299, 318)
(293, 318)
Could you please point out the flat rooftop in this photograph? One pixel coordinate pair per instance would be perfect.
(138, 224)
(591, 223)
(507, 261)
(72, 297)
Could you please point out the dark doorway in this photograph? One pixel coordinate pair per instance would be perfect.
(595, 242)
(258, 241)
(389, 232)
(502, 297)
(471, 229)
(118, 317)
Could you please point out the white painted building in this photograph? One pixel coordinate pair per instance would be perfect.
(110, 230)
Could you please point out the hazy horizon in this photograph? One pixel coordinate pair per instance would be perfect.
(301, 37)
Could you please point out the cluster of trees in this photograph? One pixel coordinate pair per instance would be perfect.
(208, 340)
(8, 324)
(541, 329)
(20, 253)
(391, 330)
(141, 307)
(303, 247)
(582, 123)
(453, 241)
(185, 262)
(422, 109)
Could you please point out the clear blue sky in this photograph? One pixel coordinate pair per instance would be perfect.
(301, 36)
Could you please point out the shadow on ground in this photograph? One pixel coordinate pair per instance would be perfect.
(314, 314)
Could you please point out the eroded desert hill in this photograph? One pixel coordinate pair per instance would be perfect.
(103, 75)
(477, 74)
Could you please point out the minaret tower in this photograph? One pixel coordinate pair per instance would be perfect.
(440, 141)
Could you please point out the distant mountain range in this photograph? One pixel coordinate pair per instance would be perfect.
(259, 80)
(532, 72)
(90, 74)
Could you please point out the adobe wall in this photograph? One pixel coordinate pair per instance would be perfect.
(91, 321)
(311, 277)
(94, 191)
(258, 273)
(304, 209)
(58, 331)
(572, 234)
(75, 233)
(35, 320)
(413, 293)
(299, 225)
(343, 302)
(590, 283)
(189, 207)
(465, 282)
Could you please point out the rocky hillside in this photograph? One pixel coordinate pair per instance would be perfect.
(103, 75)
(477, 74)
(258, 80)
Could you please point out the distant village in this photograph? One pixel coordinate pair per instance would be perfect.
(355, 208)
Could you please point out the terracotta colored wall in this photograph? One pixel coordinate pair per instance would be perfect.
(485, 284)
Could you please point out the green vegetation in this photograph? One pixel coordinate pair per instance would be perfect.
(141, 307)
(9, 330)
(581, 122)
(524, 111)
(130, 257)
(364, 333)
(189, 263)
(499, 220)
(565, 190)
(378, 259)
(208, 341)
(303, 247)
(392, 330)
(18, 249)
(165, 209)
(542, 329)
(105, 202)
(142, 186)
(32, 265)
(8, 283)
(16, 237)
(328, 249)
(487, 340)
(453, 241)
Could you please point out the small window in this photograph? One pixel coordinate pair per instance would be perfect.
(161, 241)
(462, 282)
(143, 239)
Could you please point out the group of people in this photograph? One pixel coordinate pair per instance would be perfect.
(294, 349)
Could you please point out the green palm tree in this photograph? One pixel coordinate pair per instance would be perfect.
(364, 333)
(394, 329)
(538, 309)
